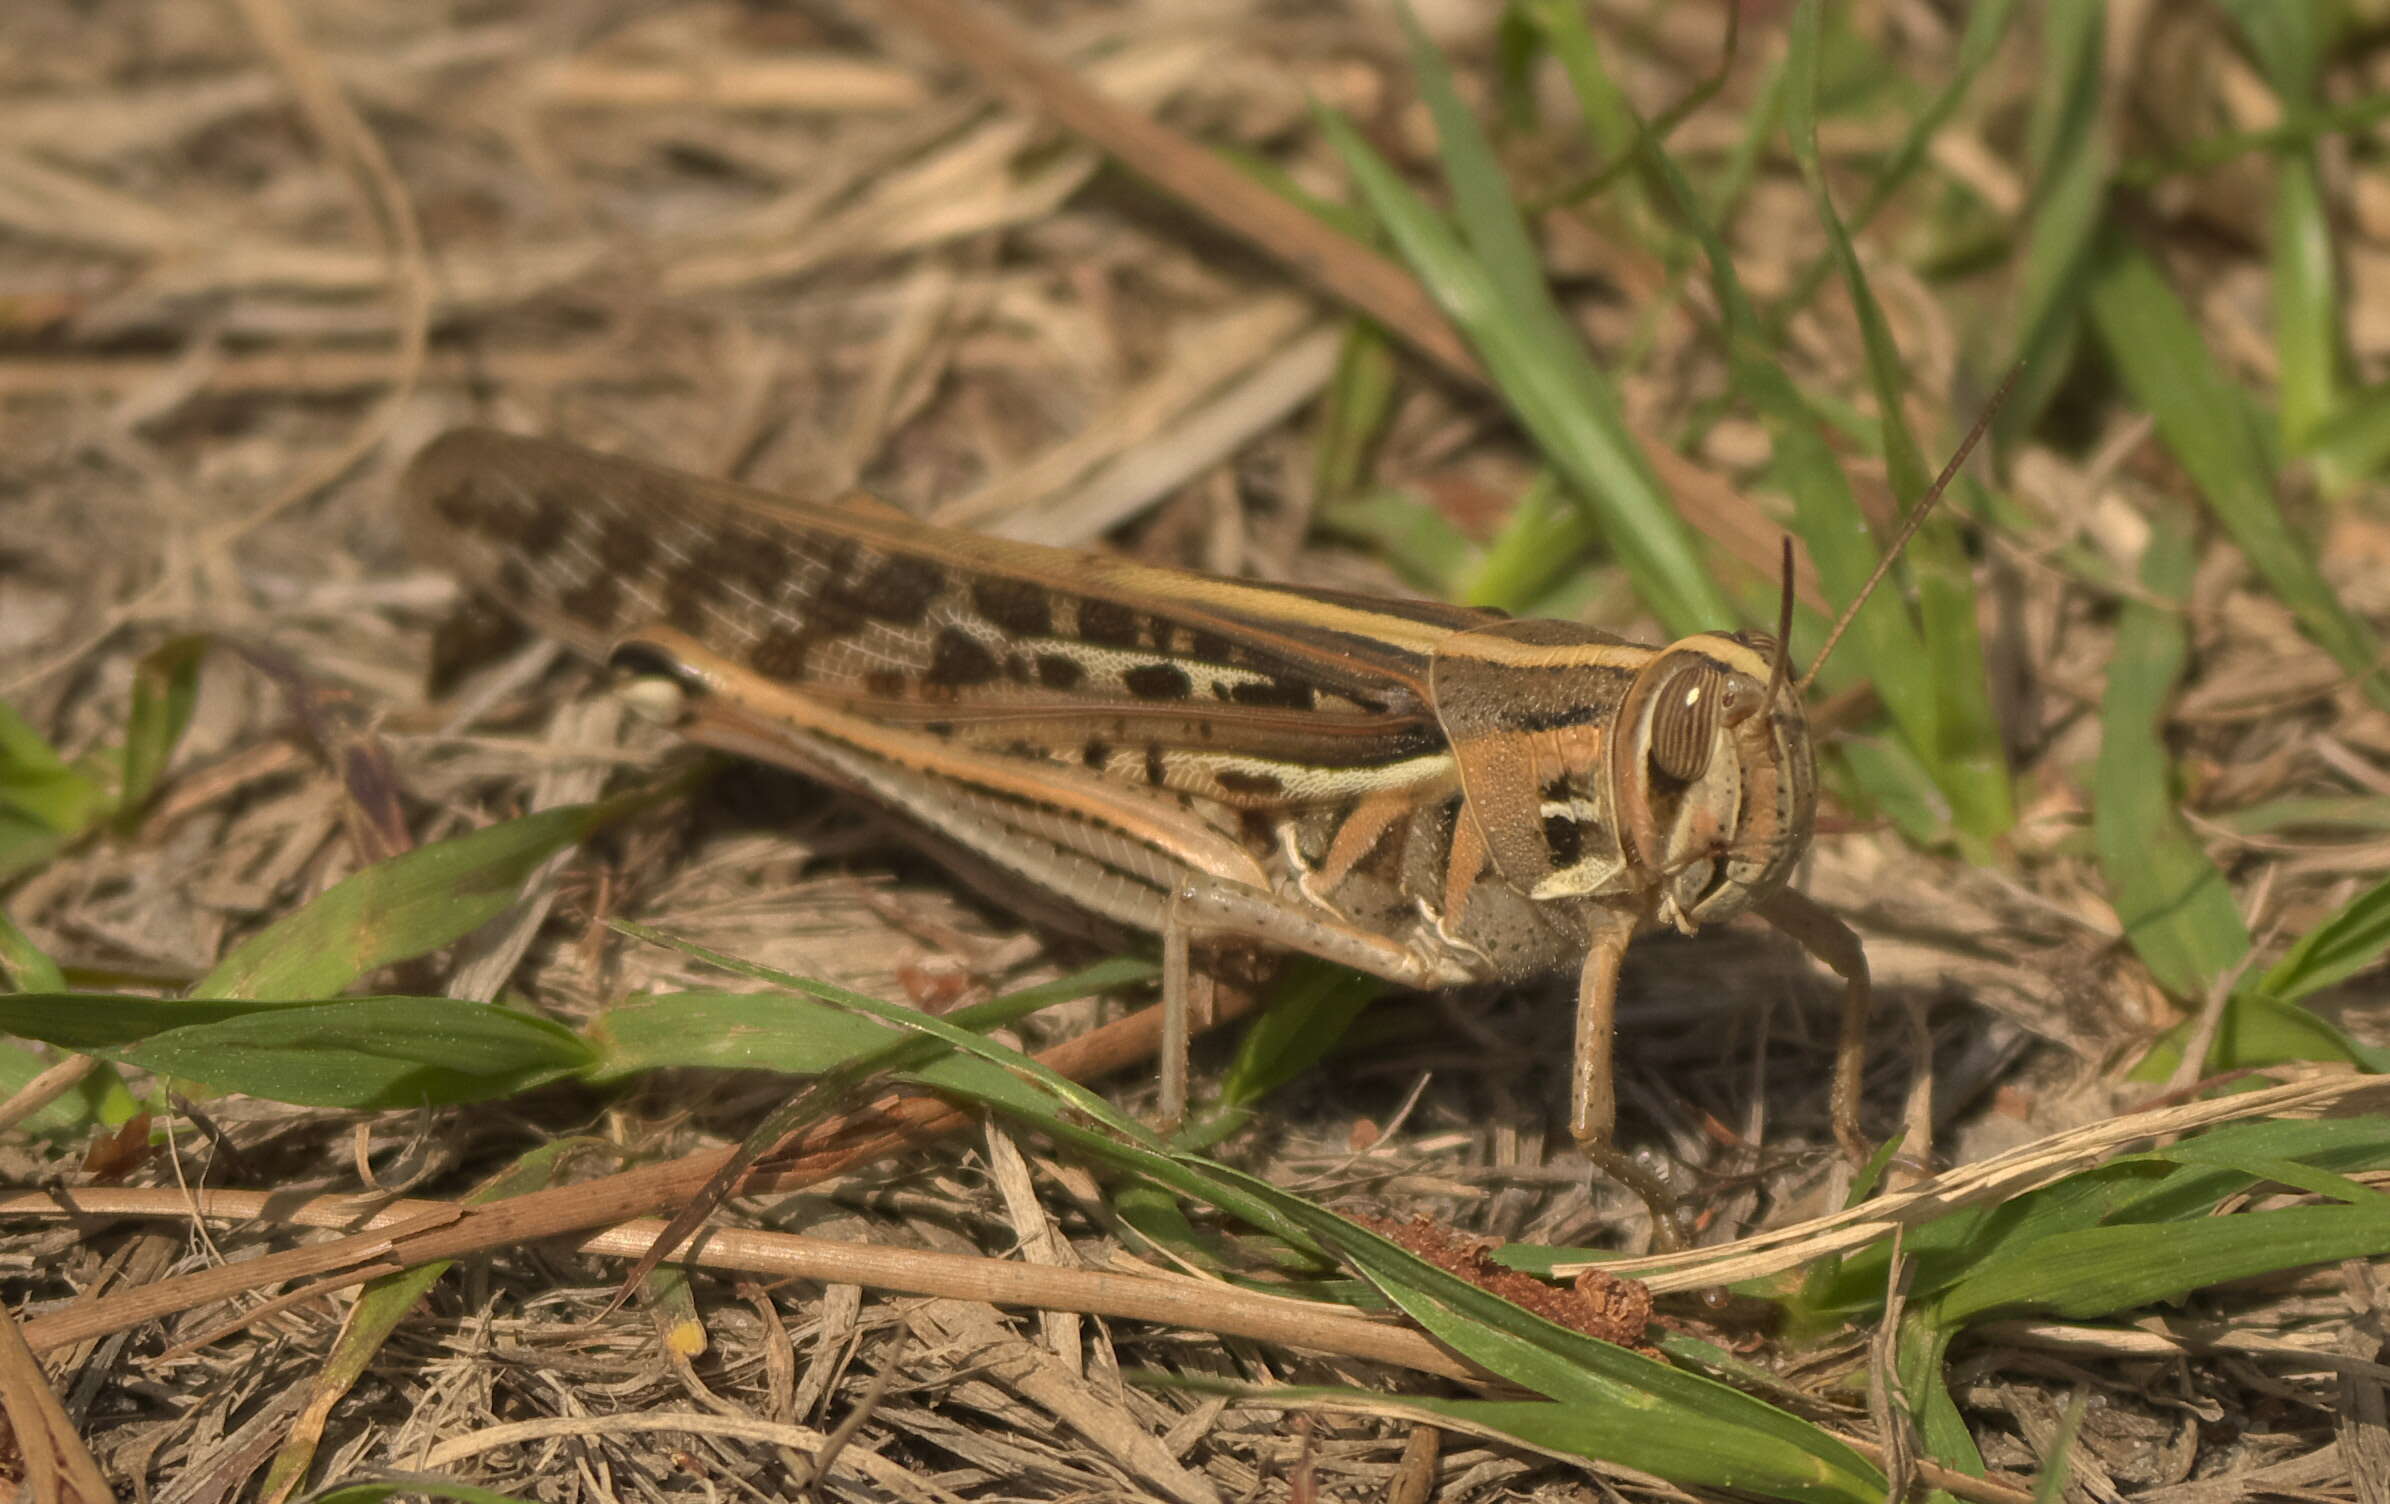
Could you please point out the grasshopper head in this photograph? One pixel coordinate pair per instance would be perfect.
(1711, 777)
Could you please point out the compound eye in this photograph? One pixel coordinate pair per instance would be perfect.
(1684, 720)
(652, 683)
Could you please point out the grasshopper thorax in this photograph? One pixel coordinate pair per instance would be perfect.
(1710, 777)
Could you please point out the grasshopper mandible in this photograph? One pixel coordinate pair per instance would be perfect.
(1432, 794)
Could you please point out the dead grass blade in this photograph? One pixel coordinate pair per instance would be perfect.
(57, 1466)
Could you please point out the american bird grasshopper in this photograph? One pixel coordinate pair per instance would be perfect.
(1433, 794)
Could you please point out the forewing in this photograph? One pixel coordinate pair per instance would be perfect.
(1255, 694)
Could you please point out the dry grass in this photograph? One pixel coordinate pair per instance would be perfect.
(251, 256)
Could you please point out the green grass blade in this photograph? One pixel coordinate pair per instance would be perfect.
(2291, 40)
(165, 688)
(1484, 210)
(2206, 1170)
(2058, 1465)
(782, 1030)
(1715, 1432)
(1897, 786)
(792, 1031)
(1598, 1433)
(1543, 540)
(2353, 939)
(1610, 122)
(1883, 644)
(2298, 1174)
(1409, 532)
(2335, 815)
(99, 1097)
(96, 1023)
(1988, 22)
(2183, 1183)
(2067, 147)
(98, 1100)
(369, 1053)
(2098, 1271)
(1730, 187)
(2213, 432)
(26, 844)
(2255, 1032)
(1966, 757)
(1559, 29)
(404, 907)
(1359, 401)
(956, 1033)
(1713, 1435)
(2353, 445)
(26, 967)
(2177, 912)
(37, 783)
(1921, 1358)
(363, 1053)
(1887, 374)
(2306, 303)
(1310, 1010)
(1491, 282)
(1612, 1403)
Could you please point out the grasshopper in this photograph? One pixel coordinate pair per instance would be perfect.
(1432, 794)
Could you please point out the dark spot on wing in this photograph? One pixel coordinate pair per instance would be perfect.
(832, 607)
(1107, 624)
(960, 660)
(1016, 606)
(900, 589)
(624, 545)
(759, 561)
(688, 598)
(723, 563)
(1278, 693)
(594, 602)
(502, 515)
(1157, 681)
(1258, 785)
(781, 653)
(460, 505)
(550, 520)
(1059, 671)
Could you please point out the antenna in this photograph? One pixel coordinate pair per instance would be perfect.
(1781, 669)
(1915, 520)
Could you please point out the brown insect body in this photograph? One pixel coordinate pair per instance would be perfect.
(1432, 793)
